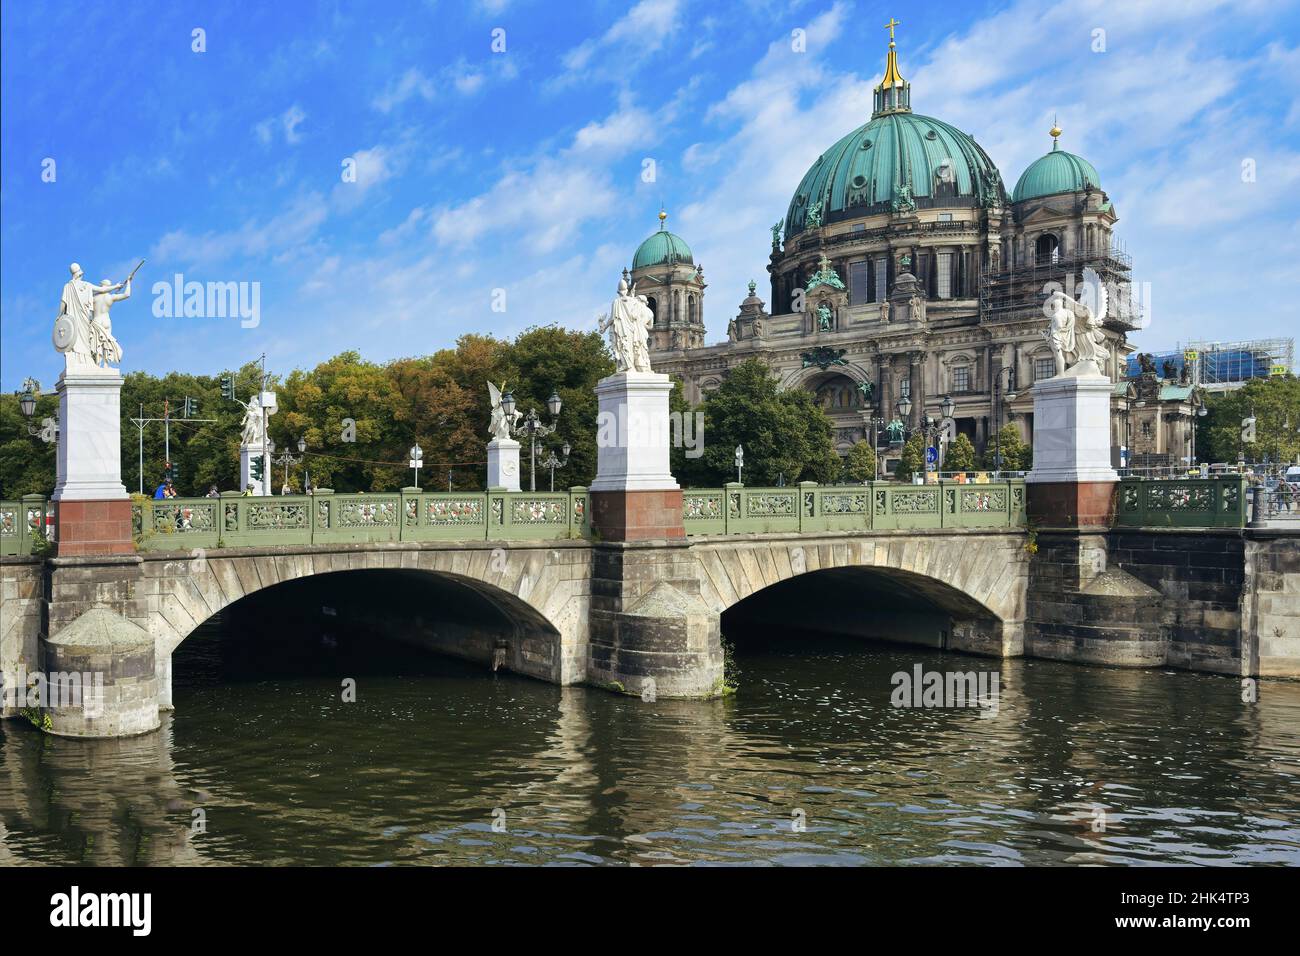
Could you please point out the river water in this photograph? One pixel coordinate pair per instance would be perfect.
(439, 762)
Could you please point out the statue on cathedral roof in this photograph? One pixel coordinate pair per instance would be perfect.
(825, 276)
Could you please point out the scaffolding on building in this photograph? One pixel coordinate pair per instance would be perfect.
(1019, 292)
(1220, 366)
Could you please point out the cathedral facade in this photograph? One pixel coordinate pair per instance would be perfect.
(905, 274)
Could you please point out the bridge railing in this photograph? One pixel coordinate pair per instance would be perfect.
(1182, 502)
(21, 521)
(736, 509)
(326, 518)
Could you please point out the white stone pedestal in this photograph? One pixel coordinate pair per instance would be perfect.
(503, 464)
(247, 455)
(90, 436)
(1072, 428)
(633, 433)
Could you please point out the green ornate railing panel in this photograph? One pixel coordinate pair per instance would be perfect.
(1182, 503)
(809, 507)
(19, 522)
(236, 521)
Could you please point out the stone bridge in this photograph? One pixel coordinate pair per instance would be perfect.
(567, 607)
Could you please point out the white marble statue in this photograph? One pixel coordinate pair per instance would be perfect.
(501, 424)
(103, 347)
(253, 423)
(72, 334)
(1075, 326)
(628, 324)
(83, 331)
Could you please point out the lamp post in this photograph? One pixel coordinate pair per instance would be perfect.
(552, 462)
(1010, 373)
(740, 463)
(27, 405)
(532, 427)
(874, 423)
(286, 459)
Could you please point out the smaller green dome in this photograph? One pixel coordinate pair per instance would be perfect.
(662, 248)
(1056, 172)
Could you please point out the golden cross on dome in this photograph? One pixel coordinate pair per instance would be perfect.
(890, 26)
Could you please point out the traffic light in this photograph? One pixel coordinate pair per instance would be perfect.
(228, 387)
(256, 468)
(170, 472)
(191, 407)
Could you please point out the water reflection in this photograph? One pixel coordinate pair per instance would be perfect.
(440, 762)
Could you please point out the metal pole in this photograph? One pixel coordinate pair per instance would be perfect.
(167, 431)
(532, 459)
(140, 426)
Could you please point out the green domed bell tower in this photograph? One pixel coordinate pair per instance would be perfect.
(665, 272)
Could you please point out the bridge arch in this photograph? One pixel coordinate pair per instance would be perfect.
(978, 579)
(539, 588)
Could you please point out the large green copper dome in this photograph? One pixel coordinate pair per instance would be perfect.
(872, 169)
(1057, 172)
(662, 248)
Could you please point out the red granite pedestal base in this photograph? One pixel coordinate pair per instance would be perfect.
(93, 527)
(637, 515)
(1071, 504)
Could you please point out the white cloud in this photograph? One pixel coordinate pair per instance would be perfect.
(251, 241)
(411, 83)
(634, 37)
(286, 123)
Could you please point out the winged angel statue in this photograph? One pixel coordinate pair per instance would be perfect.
(501, 423)
(1076, 326)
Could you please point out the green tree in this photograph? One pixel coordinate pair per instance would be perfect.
(828, 469)
(1275, 403)
(1016, 455)
(26, 462)
(960, 456)
(912, 459)
(861, 462)
(784, 433)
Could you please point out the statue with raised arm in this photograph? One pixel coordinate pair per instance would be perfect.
(103, 347)
(501, 423)
(252, 435)
(1075, 326)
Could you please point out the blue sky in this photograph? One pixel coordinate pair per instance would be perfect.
(522, 170)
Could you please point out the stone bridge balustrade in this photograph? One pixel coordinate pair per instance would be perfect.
(336, 518)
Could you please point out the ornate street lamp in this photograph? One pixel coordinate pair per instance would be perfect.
(552, 462)
(532, 427)
(949, 406)
(904, 408)
(27, 400)
(27, 405)
(287, 458)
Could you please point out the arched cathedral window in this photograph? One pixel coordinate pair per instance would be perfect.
(1047, 249)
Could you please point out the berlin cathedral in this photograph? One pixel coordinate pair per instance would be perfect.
(904, 274)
